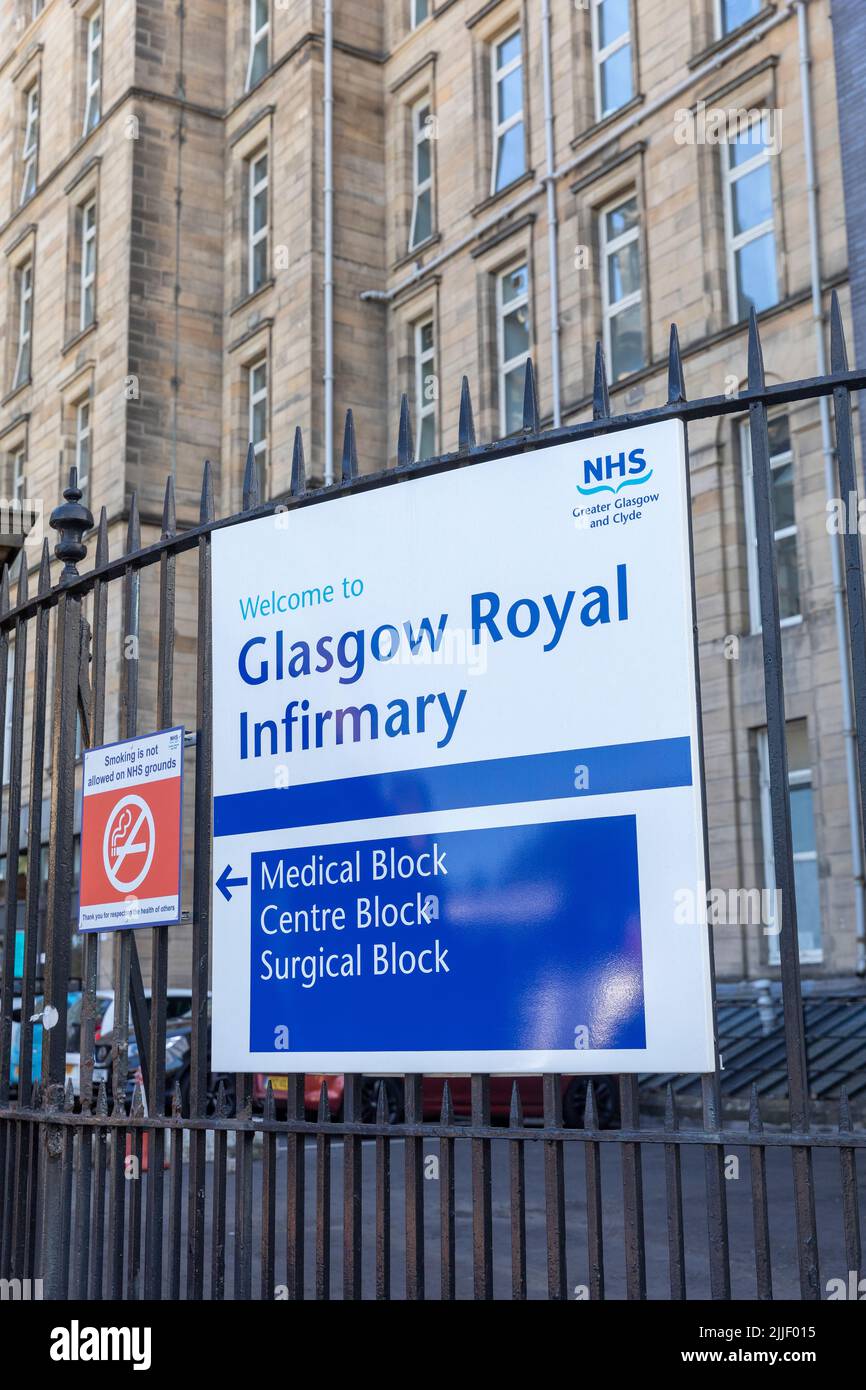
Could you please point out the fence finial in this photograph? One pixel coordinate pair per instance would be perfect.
(102, 539)
(844, 1111)
(71, 519)
(590, 1109)
(169, 514)
(206, 509)
(324, 1114)
(466, 422)
(133, 530)
(838, 348)
(531, 419)
(4, 591)
(446, 1114)
(405, 442)
(22, 584)
(671, 1120)
(756, 356)
(45, 566)
(600, 396)
(676, 380)
(350, 449)
(251, 497)
(756, 1124)
(515, 1111)
(299, 471)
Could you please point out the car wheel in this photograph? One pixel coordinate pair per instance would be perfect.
(606, 1093)
(370, 1088)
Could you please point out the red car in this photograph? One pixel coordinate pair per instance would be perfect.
(529, 1087)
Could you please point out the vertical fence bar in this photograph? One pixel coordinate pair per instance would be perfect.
(517, 1185)
(219, 1193)
(774, 694)
(352, 1190)
(760, 1212)
(554, 1191)
(850, 1197)
(323, 1197)
(414, 1181)
(175, 1196)
(447, 1246)
(594, 1211)
(674, 1195)
(97, 1215)
(269, 1202)
(383, 1201)
(243, 1262)
(482, 1202)
(632, 1193)
(295, 1188)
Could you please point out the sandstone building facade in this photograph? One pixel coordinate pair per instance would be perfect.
(510, 178)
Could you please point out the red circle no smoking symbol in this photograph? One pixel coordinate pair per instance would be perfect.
(128, 844)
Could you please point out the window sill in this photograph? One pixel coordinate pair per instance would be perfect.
(247, 299)
(79, 337)
(719, 45)
(16, 391)
(504, 193)
(607, 121)
(417, 251)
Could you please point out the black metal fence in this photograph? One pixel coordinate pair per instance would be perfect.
(110, 1200)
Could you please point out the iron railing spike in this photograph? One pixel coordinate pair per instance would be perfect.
(102, 1100)
(381, 1115)
(36, 1095)
(350, 449)
(176, 1102)
(756, 1124)
(466, 422)
(838, 347)
(600, 393)
(102, 538)
(446, 1114)
(590, 1110)
(844, 1111)
(676, 379)
(22, 583)
(756, 377)
(324, 1115)
(515, 1110)
(133, 530)
(531, 417)
(69, 1096)
(206, 509)
(671, 1118)
(169, 510)
(137, 1102)
(405, 442)
(299, 470)
(4, 591)
(269, 1100)
(251, 481)
(44, 583)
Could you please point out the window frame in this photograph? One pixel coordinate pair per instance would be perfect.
(721, 31)
(601, 54)
(608, 248)
(30, 153)
(501, 128)
(87, 280)
(779, 460)
(505, 368)
(736, 243)
(414, 21)
(254, 188)
(425, 409)
(253, 399)
(18, 474)
(799, 777)
(93, 71)
(24, 276)
(84, 437)
(256, 36)
(420, 186)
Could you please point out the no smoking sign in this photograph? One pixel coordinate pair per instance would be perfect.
(132, 798)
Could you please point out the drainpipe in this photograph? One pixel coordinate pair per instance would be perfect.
(552, 222)
(854, 813)
(329, 240)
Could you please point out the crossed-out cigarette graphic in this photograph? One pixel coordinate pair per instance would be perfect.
(121, 840)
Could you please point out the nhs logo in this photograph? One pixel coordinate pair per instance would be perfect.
(613, 472)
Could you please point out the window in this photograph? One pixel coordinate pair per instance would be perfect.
(784, 522)
(83, 447)
(509, 149)
(30, 148)
(36, 8)
(621, 287)
(512, 336)
(422, 176)
(25, 324)
(7, 739)
(94, 71)
(259, 37)
(730, 14)
(258, 425)
(17, 472)
(420, 10)
(749, 220)
(257, 222)
(806, 886)
(88, 265)
(426, 392)
(611, 55)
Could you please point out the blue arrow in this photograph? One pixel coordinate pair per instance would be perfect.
(224, 883)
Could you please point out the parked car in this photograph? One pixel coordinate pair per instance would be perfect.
(178, 1005)
(73, 1016)
(178, 1055)
(574, 1090)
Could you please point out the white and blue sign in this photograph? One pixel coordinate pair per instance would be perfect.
(457, 796)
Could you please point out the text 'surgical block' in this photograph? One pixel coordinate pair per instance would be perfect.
(417, 942)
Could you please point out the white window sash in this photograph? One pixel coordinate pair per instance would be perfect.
(88, 276)
(600, 56)
(419, 19)
(777, 461)
(19, 469)
(256, 397)
(25, 320)
(809, 955)
(423, 357)
(82, 441)
(419, 186)
(611, 309)
(256, 37)
(94, 68)
(31, 140)
(507, 365)
(254, 237)
(501, 128)
(721, 31)
(736, 241)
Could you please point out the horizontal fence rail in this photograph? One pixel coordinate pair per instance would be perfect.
(203, 1197)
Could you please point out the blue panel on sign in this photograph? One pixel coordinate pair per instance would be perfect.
(520, 937)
